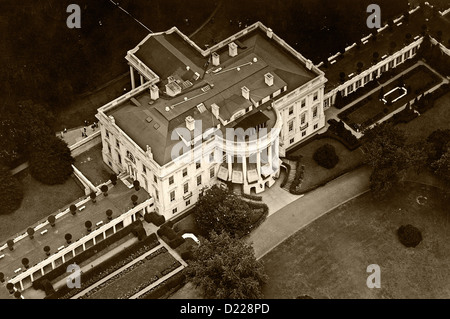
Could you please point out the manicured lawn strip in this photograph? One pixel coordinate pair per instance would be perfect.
(39, 202)
(371, 109)
(316, 175)
(329, 257)
(166, 287)
(136, 277)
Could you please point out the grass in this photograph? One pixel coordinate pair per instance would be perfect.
(371, 109)
(91, 164)
(132, 279)
(39, 201)
(328, 258)
(316, 174)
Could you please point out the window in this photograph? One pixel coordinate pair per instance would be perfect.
(198, 165)
(358, 83)
(186, 188)
(303, 133)
(366, 79)
(315, 96)
(172, 196)
(155, 179)
(188, 202)
(303, 118)
(170, 180)
(391, 64)
(199, 180)
(315, 112)
(408, 53)
(350, 88)
(212, 172)
(383, 68)
(316, 126)
(117, 144)
(399, 60)
(120, 158)
(291, 110)
(374, 74)
(291, 141)
(157, 194)
(414, 50)
(109, 149)
(174, 211)
(107, 133)
(326, 103)
(144, 169)
(184, 172)
(303, 103)
(211, 157)
(291, 126)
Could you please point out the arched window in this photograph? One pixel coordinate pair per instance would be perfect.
(131, 157)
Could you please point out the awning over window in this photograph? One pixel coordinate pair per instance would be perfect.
(252, 176)
(222, 174)
(237, 177)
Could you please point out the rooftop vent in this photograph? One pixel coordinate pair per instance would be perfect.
(268, 78)
(232, 49)
(215, 110)
(269, 33)
(149, 119)
(167, 109)
(154, 92)
(309, 64)
(190, 123)
(245, 92)
(201, 107)
(215, 59)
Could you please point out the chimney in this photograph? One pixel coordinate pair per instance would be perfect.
(113, 120)
(232, 49)
(190, 123)
(245, 92)
(149, 152)
(269, 33)
(172, 89)
(154, 92)
(268, 78)
(308, 64)
(215, 59)
(215, 110)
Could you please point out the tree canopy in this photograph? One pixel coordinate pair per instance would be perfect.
(221, 210)
(226, 268)
(11, 193)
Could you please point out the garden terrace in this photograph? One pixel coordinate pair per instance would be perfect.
(370, 110)
(118, 200)
(91, 164)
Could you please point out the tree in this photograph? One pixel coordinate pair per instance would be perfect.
(10, 287)
(47, 250)
(17, 294)
(220, 210)
(73, 209)
(326, 156)
(51, 219)
(88, 225)
(25, 262)
(226, 268)
(10, 244)
(104, 189)
(438, 141)
(68, 238)
(2, 277)
(387, 153)
(50, 161)
(109, 213)
(442, 166)
(113, 178)
(93, 196)
(11, 192)
(30, 232)
(134, 199)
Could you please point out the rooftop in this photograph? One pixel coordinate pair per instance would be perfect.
(364, 52)
(170, 57)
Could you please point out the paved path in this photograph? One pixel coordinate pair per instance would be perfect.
(298, 214)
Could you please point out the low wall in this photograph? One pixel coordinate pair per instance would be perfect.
(86, 144)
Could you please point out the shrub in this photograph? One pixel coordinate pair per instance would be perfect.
(326, 156)
(177, 241)
(154, 218)
(252, 197)
(187, 255)
(167, 232)
(409, 235)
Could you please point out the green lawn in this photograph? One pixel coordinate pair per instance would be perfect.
(329, 258)
(129, 281)
(91, 164)
(39, 201)
(316, 174)
(371, 109)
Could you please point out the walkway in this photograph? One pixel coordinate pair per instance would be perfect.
(301, 212)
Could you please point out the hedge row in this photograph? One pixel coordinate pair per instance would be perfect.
(286, 177)
(339, 132)
(88, 253)
(154, 218)
(169, 236)
(252, 197)
(298, 179)
(112, 264)
(165, 287)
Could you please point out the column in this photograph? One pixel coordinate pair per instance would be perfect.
(133, 84)
(269, 156)
(244, 167)
(21, 285)
(63, 259)
(73, 253)
(84, 246)
(42, 271)
(104, 235)
(141, 78)
(114, 229)
(93, 239)
(258, 164)
(53, 264)
(230, 167)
